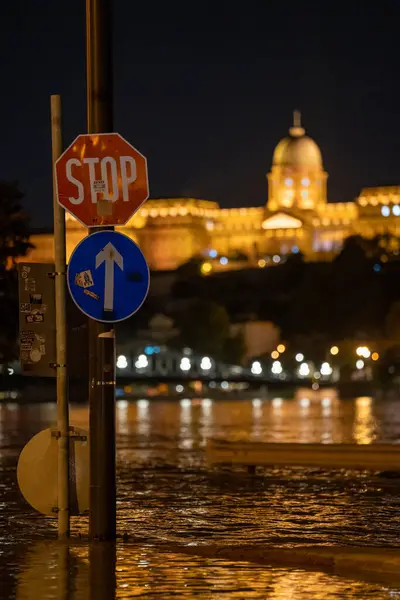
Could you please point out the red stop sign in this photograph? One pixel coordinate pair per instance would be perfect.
(101, 179)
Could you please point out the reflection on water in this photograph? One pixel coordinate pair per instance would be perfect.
(49, 571)
(364, 423)
(167, 494)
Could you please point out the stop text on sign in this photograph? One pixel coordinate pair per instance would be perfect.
(101, 179)
(104, 177)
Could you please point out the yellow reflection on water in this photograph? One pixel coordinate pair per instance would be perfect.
(52, 571)
(364, 422)
(206, 419)
(143, 417)
(185, 433)
(257, 413)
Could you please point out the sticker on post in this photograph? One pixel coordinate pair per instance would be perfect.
(84, 279)
(91, 294)
(104, 207)
(36, 298)
(34, 317)
(99, 185)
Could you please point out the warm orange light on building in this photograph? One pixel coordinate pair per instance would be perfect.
(172, 231)
(281, 348)
(275, 354)
(375, 356)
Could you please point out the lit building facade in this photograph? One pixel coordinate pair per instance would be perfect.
(297, 217)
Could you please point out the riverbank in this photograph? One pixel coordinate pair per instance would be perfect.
(16, 388)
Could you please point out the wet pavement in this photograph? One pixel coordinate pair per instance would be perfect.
(168, 495)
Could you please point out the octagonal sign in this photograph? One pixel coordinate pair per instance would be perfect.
(101, 179)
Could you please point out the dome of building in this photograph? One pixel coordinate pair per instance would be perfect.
(297, 149)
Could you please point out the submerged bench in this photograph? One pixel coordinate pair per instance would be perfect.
(375, 457)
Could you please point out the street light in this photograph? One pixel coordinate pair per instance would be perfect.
(206, 363)
(122, 363)
(304, 370)
(334, 350)
(185, 364)
(363, 351)
(206, 268)
(326, 369)
(142, 362)
(256, 368)
(276, 367)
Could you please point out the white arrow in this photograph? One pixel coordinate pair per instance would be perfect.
(109, 255)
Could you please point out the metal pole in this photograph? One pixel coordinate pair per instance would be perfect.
(102, 515)
(102, 574)
(61, 331)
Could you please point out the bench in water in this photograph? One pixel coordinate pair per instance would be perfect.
(374, 457)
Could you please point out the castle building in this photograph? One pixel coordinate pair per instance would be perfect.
(296, 218)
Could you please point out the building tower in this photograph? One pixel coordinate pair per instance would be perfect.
(297, 179)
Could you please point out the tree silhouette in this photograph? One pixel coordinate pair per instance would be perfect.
(204, 326)
(14, 243)
(392, 322)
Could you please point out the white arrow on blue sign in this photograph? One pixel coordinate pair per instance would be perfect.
(108, 276)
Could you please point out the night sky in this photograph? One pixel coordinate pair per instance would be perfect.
(206, 90)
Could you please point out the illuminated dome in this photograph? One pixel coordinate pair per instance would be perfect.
(297, 149)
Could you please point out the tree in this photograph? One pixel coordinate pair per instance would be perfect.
(14, 226)
(234, 349)
(14, 243)
(392, 322)
(204, 326)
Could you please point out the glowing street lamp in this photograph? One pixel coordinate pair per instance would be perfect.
(206, 363)
(122, 363)
(256, 368)
(304, 370)
(185, 364)
(142, 362)
(276, 367)
(363, 351)
(206, 268)
(326, 369)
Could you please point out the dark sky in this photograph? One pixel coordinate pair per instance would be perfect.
(205, 90)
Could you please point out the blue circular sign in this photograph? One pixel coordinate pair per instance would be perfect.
(108, 276)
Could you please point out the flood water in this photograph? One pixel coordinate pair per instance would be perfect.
(169, 497)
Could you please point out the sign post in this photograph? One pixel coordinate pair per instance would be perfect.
(99, 96)
(61, 332)
(102, 181)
